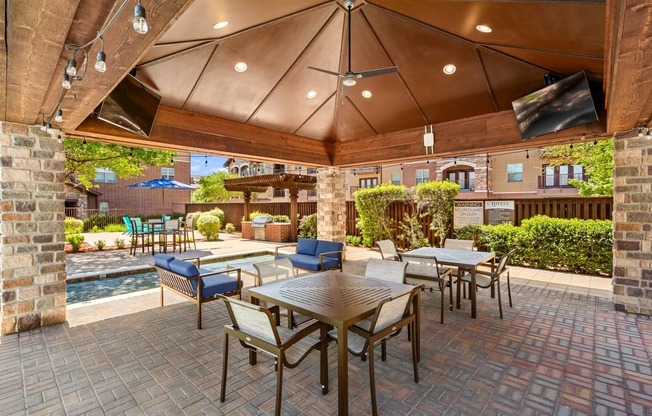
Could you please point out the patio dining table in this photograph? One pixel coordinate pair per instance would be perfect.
(464, 259)
(338, 299)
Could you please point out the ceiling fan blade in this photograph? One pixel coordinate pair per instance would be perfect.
(376, 72)
(326, 71)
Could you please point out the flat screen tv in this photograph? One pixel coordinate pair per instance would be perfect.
(566, 103)
(131, 106)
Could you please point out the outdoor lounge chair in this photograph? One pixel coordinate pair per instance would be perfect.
(487, 278)
(256, 329)
(392, 314)
(426, 271)
(273, 270)
(195, 283)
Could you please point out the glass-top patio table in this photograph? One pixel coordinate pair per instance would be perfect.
(464, 259)
(339, 299)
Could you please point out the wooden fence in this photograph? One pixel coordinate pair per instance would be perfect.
(599, 208)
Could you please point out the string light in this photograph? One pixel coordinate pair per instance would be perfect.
(527, 154)
(488, 159)
(72, 74)
(206, 161)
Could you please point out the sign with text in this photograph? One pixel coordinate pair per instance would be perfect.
(500, 212)
(468, 213)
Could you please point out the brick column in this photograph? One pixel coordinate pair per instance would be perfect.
(32, 258)
(632, 274)
(331, 204)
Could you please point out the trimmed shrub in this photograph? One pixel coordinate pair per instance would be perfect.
(73, 226)
(255, 214)
(209, 225)
(580, 246)
(229, 228)
(119, 242)
(308, 226)
(75, 241)
(353, 240)
(100, 244)
(115, 228)
(373, 220)
(281, 218)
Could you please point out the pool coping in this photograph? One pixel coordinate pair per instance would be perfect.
(110, 273)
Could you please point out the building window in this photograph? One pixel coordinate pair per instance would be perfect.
(167, 173)
(422, 176)
(279, 168)
(244, 170)
(104, 208)
(368, 182)
(105, 176)
(560, 175)
(312, 194)
(312, 171)
(279, 193)
(464, 178)
(515, 172)
(396, 178)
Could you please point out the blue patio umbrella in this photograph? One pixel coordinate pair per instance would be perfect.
(161, 183)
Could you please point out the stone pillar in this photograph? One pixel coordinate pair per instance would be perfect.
(32, 258)
(632, 274)
(331, 204)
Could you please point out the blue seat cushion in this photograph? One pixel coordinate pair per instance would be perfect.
(184, 268)
(163, 260)
(326, 246)
(215, 285)
(306, 262)
(306, 246)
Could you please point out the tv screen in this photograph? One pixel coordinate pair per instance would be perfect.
(132, 106)
(562, 105)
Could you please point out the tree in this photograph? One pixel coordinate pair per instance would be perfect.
(596, 159)
(83, 159)
(371, 204)
(211, 188)
(437, 199)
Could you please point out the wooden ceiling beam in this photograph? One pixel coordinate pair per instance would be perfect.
(488, 133)
(628, 67)
(181, 130)
(35, 33)
(124, 48)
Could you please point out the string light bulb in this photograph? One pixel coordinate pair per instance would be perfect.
(71, 67)
(59, 117)
(206, 161)
(84, 144)
(455, 161)
(65, 81)
(595, 142)
(488, 159)
(527, 154)
(100, 63)
(140, 19)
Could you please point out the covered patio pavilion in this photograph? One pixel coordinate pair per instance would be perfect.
(293, 183)
(265, 113)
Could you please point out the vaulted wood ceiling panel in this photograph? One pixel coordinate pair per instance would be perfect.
(319, 124)
(268, 52)
(290, 94)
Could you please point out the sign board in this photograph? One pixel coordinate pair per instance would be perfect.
(500, 212)
(468, 213)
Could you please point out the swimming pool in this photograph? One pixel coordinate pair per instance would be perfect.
(113, 286)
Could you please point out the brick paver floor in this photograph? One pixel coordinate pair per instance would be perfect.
(557, 351)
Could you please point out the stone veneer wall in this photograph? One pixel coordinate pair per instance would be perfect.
(331, 204)
(632, 275)
(32, 258)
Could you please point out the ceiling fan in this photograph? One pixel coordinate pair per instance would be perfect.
(349, 77)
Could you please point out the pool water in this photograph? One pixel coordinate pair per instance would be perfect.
(113, 286)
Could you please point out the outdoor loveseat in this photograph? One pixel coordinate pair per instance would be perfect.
(187, 278)
(314, 255)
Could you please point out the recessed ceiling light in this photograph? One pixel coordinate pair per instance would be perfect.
(220, 25)
(311, 94)
(449, 69)
(483, 28)
(366, 94)
(240, 67)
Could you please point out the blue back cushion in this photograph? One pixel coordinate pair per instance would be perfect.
(163, 260)
(325, 246)
(306, 246)
(184, 268)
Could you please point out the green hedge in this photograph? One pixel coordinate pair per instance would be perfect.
(581, 246)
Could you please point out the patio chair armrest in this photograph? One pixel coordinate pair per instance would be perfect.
(304, 332)
(285, 246)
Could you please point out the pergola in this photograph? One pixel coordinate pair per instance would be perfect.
(294, 183)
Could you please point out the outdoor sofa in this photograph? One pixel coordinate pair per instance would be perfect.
(314, 255)
(199, 285)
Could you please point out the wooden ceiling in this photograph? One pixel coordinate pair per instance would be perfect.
(264, 113)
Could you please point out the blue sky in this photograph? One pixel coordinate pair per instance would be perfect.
(198, 164)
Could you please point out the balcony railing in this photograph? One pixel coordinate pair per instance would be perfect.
(559, 180)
